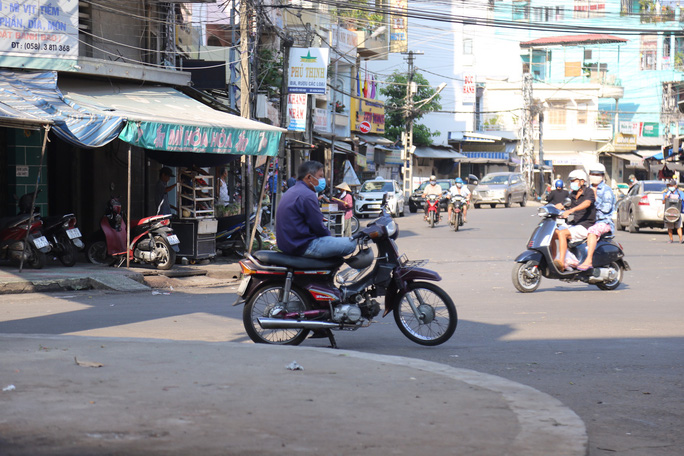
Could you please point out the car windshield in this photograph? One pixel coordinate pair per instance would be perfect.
(500, 179)
(376, 186)
(654, 186)
(444, 185)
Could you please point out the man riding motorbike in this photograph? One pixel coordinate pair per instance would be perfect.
(459, 189)
(559, 195)
(605, 207)
(300, 229)
(432, 189)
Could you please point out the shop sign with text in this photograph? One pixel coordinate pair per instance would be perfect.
(367, 113)
(469, 88)
(398, 26)
(296, 111)
(624, 142)
(308, 70)
(321, 120)
(39, 28)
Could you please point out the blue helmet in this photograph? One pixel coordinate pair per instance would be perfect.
(558, 184)
(459, 180)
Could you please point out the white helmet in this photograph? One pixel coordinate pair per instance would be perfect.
(577, 174)
(597, 168)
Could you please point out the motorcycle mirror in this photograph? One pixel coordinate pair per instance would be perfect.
(567, 202)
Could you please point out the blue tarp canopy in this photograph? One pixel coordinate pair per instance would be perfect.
(31, 99)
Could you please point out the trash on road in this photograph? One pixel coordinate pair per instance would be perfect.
(294, 366)
(87, 363)
(9, 388)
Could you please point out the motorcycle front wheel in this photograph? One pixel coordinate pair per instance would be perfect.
(457, 222)
(431, 219)
(68, 256)
(36, 259)
(97, 254)
(264, 304)
(438, 314)
(166, 256)
(526, 277)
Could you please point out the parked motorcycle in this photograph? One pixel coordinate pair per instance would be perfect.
(153, 240)
(433, 209)
(15, 244)
(232, 237)
(537, 262)
(458, 202)
(64, 237)
(287, 296)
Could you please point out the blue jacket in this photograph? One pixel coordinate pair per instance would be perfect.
(605, 204)
(299, 220)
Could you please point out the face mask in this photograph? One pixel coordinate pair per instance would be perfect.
(459, 185)
(672, 189)
(595, 180)
(321, 185)
(433, 183)
(574, 186)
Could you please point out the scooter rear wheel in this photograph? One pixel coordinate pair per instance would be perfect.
(68, 256)
(262, 304)
(526, 277)
(613, 284)
(36, 259)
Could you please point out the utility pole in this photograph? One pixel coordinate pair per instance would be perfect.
(247, 168)
(334, 106)
(407, 153)
(527, 139)
(541, 153)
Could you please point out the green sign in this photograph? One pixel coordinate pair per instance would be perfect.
(211, 140)
(651, 129)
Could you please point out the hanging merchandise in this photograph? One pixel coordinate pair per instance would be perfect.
(350, 176)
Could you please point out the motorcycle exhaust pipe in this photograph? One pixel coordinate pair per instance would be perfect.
(602, 275)
(277, 323)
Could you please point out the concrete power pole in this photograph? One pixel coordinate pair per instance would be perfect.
(526, 150)
(407, 153)
(247, 168)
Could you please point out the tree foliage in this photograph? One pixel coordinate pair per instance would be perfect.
(396, 112)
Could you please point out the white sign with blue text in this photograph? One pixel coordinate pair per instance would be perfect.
(308, 70)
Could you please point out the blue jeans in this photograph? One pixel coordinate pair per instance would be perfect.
(330, 247)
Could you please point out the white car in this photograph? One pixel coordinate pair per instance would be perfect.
(367, 202)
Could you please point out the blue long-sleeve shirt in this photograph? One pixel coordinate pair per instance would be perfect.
(605, 204)
(299, 220)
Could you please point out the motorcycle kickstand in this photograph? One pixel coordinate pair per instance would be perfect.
(331, 336)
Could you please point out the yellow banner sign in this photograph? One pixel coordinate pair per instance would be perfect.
(367, 116)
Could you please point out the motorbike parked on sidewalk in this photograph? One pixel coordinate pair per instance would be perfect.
(432, 214)
(15, 245)
(537, 262)
(287, 296)
(153, 240)
(458, 202)
(232, 236)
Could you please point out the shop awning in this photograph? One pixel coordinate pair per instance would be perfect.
(340, 146)
(431, 152)
(375, 139)
(31, 99)
(633, 160)
(162, 118)
(478, 157)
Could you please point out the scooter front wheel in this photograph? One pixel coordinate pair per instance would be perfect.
(438, 317)
(265, 303)
(97, 254)
(526, 277)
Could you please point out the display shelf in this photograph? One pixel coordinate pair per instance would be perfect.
(196, 194)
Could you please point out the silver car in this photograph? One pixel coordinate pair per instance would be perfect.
(500, 188)
(369, 199)
(642, 207)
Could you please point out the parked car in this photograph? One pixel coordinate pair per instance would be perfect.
(416, 200)
(500, 188)
(369, 198)
(642, 207)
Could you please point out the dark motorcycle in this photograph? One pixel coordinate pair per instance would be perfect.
(458, 202)
(153, 240)
(232, 237)
(287, 296)
(537, 262)
(64, 237)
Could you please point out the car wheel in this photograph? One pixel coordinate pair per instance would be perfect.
(403, 210)
(412, 208)
(523, 202)
(493, 205)
(476, 206)
(508, 201)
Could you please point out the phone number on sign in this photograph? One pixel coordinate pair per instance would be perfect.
(40, 47)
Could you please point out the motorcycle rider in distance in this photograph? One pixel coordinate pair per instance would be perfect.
(605, 208)
(559, 195)
(584, 215)
(300, 229)
(432, 189)
(459, 189)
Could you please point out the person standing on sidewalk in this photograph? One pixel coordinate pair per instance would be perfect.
(161, 191)
(672, 193)
(345, 203)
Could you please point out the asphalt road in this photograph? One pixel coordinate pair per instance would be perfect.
(616, 358)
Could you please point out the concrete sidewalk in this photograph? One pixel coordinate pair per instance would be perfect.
(170, 397)
(82, 276)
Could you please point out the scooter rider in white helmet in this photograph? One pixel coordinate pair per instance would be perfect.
(584, 215)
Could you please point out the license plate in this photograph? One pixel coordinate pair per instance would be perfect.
(173, 239)
(73, 233)
(243, 286)
(40, 242)
(374, 206)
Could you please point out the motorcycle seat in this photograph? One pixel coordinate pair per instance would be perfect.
(10, 222)
(296, 262)
(54, 220)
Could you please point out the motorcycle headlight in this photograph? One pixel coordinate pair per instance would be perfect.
(392, 229)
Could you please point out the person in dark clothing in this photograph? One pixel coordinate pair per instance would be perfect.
(559, 195)
(161, 190)
(300, 229)
(583, 211)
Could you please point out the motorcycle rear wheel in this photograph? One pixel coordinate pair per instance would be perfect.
(431, 219)
(526, 277)
(261, 304)
(612, 285)
(440, 317)
(36, 259)
(166, 256)
(68, 256)
(97, 254)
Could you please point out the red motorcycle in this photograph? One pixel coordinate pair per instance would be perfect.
(432, 214)
(12, 237)
(153, 242)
